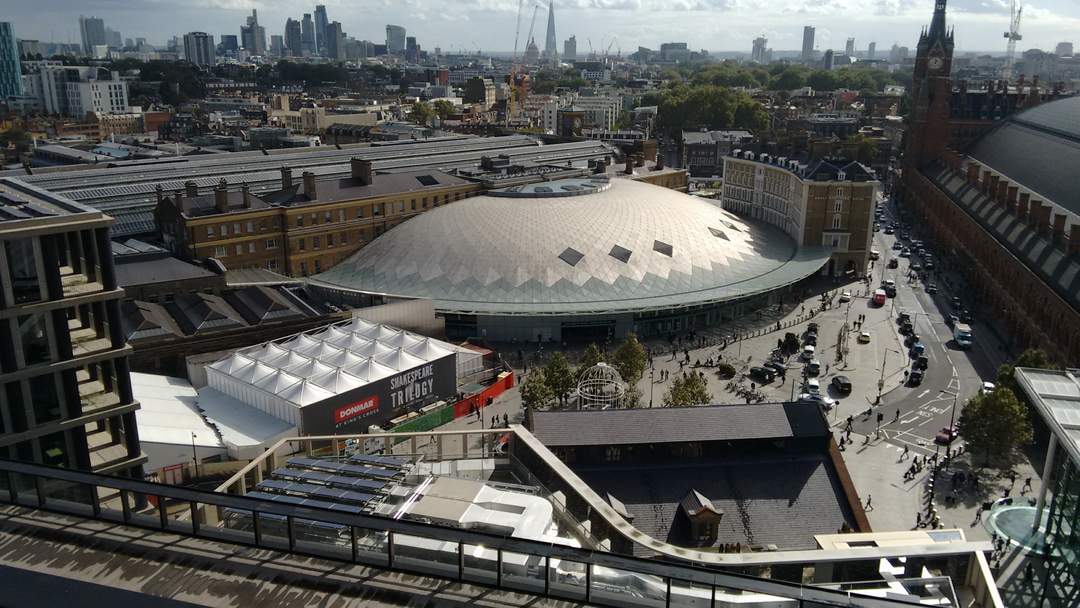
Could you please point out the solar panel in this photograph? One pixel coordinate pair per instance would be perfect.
(316, 490)
(304, 502)
(343, 467)
(338, 481)
(386, 461)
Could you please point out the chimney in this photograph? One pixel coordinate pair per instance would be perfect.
(1010, 199)
(1042, 218)
(1022, 206)
(191, 189)
(160, 193)
(985, 183)
(973, 174)
(245, 196)
(1074, 240)
(221, 196)
(309, 185)
(362, 171)
(1002, 192)
(601, 167)
(286, 177)
(183, 204)
(990, 185)
(1059, 229)
(629, 170)
(659, 161)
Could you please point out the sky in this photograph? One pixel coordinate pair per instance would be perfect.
(489, 25)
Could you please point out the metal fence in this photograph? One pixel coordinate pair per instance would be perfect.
(539, 568)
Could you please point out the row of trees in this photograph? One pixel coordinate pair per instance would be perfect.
(682, 106)
(996, 425)
(422, 112)
(787, 77)
(553, 384)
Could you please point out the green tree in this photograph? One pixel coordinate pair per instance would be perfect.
(559, 377)
(688, 389)
(995, 425)
(629, 360)
(421, 113)
(1032, 357)
(443, 108)
(591, 357)
(535, 393)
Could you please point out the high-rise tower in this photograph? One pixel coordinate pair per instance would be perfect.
(322, 38)
(551, 45)
(808, 42)
(931, 88)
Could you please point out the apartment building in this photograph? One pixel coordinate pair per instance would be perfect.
(600, 112)
(66, 397)
(305, 227)
(825, 203)
(77, 90)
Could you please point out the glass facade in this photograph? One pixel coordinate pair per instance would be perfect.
(1060, 585)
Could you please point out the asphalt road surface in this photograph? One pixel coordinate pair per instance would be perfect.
(912, 416)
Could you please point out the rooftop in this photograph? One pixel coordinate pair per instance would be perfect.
(22, 201)
(670, 425)
(711, 137)
(1056, 396)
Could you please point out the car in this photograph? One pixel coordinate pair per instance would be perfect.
(903, 316)
(877, 227)
(931, 288)
(893, 263)
(905, 253)
(921, 362)
(875, 254)
(888, 283)
(915, 378)
(911, 340)
(777, 367)
(813, 367)
(951, 320)
(890, 291)
(890, 230)
(808, 352)
(864, 337)
(916, 267)
(929, 266)
(956, 303)
(762, 374)
(841, 384)
(812, 386)
(965, 317)
(897, 245)
(812, 327)
(904, 234)
(810, 339)
(822, 400)
(845, 296)
(906, 328)
(946, 435)
(987, 387)
(917, 349)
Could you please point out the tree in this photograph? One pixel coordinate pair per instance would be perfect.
(1032, 357)
(591, 357)
(558, 376)
(688, 389)
(994, 425)
(421, 113)
(443, 108)
(535, 393)
(629, 360)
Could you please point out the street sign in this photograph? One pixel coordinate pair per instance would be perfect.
(880, 384)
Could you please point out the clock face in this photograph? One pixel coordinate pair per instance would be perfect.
(935, 63)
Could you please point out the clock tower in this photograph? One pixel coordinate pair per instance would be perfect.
(931, 90)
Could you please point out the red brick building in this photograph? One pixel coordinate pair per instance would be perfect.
(1003, 203)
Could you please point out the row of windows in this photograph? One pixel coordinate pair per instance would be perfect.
(240, 228)
(241, 248)
(332, 240)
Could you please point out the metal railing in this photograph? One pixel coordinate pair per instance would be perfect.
(521, 565)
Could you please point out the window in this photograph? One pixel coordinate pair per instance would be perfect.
(34, 338)
(224, 230)
(251, 246)
(251, 226)
(236, 228)
(836, 221)
(210, 232)
(271, 243)
(239, 249)
(300, 244)
(262, 225)
(300, 221)
(22, 270)
(359, 212)
(315, 244)
(839, 207)
(314, 218)
(344, 238)
(219, 252)
(46, 398)
(330, 240)
(401, 206)
(413, 204)
(341, 215)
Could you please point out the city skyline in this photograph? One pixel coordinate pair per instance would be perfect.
(622, 24)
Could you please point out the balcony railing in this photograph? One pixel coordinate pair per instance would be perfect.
(539, 568)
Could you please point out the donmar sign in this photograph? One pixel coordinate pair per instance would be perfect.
(375, 403)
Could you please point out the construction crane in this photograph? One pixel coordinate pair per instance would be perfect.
(607, 51)
(532, 24)
(1012, 35)
(592, 53)
(517, 30)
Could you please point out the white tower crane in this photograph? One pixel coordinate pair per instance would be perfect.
(1012, 35)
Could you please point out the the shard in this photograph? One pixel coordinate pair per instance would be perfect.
(550, 43)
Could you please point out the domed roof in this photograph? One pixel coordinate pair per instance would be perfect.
(1039, 149)
(576, 246)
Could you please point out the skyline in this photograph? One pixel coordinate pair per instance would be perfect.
(630, 23)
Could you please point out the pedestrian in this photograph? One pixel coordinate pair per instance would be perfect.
(1029, 573)
(978, 514)
(1027, 485)
(494, 421)
(906, 450)
(869, 500)
(918, 519)
(826, 369)
(506, 420)
(897, 417)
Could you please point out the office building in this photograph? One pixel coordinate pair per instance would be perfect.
(703, 152)
(307, 35)
(849, 47)
(277, 45)
(29, 48)
(335, 42)
(828, 203)
(92, 30)
(871, 50)
(113, 39)
(293, 41)
(395, 40)
(674, 51)
(480, 91)
(321, 35)
(11, 83)
(253, 35)
(1064, 49)
(757, 53)
(551, 43)
(569, 52)
(199, 49)
(77, 90)
(828, 60)
(808, 43)
(67, 400)
(412, 50)
(228, 44)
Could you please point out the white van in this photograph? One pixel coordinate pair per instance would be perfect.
(808, 352)
(812, 386)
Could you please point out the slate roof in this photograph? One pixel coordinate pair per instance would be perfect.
(1054, 266)
(785, 501)
(1039, 148)
(141, 320)
(160, 270)
(677, 424)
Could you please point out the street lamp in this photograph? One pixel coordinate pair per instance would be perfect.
(881, 381)
(194, 455)
(652, 383)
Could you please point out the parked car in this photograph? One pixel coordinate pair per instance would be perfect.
(808, 352)
(932, 287)
(917, 349)
(965, 317)
(905, 253)
(903, 316)
(813, 368)
(864, 337)
(810, 339)
(956, 303)
(987, 387)
(893, 263)
(897, 245)
(822, 400)
(812, 327)
(921, 362)
(951, 320)
(777, 367)
(906, 328)
(875, 254)
(845, 296)
(890, 230)
(812, 386)
(911, 340)
(841, 384)
(929, 265)
(915, 378)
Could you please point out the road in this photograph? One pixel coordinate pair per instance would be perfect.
(912, 416)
